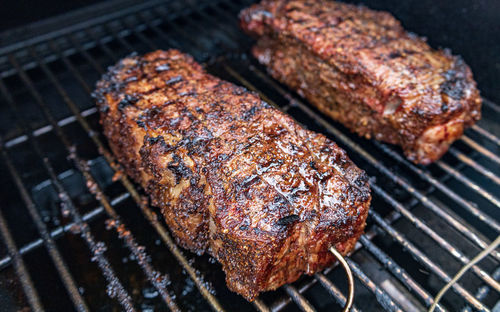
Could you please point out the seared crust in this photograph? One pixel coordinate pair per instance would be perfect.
(233, 176)
(363, 69)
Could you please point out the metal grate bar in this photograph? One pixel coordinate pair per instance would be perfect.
(425, 260)
(443, 188)
(492, 105)
(333, 290)
(440, 186)
(84, 52)
(431, 233)
(460, 177)
(49, 243)
(169, 39)
(302, 302)
(483, 290)
(19, 266)
(45, 129)
(99, 42)
(153, 276)
(487, 134)
(227, 43)
(129, 186)
(482, 150)
(172, 41)
(465, 294)
(398, 272)
(473, 164)
(60, 230)
(116, 35)
(458, 224)
(178, 35)
(139, 35)
(382, 297)
(97, 248)
(297, 297)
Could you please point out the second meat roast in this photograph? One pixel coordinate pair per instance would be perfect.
(363, 69)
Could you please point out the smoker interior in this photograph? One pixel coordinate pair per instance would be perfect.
(76, 234)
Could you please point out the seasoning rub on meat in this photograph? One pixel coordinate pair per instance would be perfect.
(364, 70)
(233, 176)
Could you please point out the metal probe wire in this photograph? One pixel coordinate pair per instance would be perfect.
(350, 279)
(483, 254)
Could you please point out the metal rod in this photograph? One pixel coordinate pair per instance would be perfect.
(84, 52)
(350, 279)
(483, 291)
(492, 105)
(261, 306)
(334, 291)
(139, 35)
(229, 44)
(265, 98)
(381, 295)
(19, 266)
(60, 230)
(482, 150)
(339, 297)
(100, 43)
(473, 164)
(398, 271)
(440, 186)
(302, 302)
(57, 259)
(417, 254)
(171, 39)
(468, 182)
(45, 129)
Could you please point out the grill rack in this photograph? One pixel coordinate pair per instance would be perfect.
(152, 28)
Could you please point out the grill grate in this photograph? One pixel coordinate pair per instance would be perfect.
(425, 222)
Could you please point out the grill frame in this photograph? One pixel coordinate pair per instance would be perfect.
(86, 37)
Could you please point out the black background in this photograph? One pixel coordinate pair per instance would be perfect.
(470, 28)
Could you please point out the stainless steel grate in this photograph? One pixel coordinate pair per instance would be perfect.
(425, 222)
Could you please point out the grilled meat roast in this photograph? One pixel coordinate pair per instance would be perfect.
(364, 70)
(232, 176)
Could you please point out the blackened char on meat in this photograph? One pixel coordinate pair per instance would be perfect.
(363, 69)
(232, 175)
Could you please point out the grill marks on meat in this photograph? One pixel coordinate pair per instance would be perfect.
(363, 69)
(233, 176)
